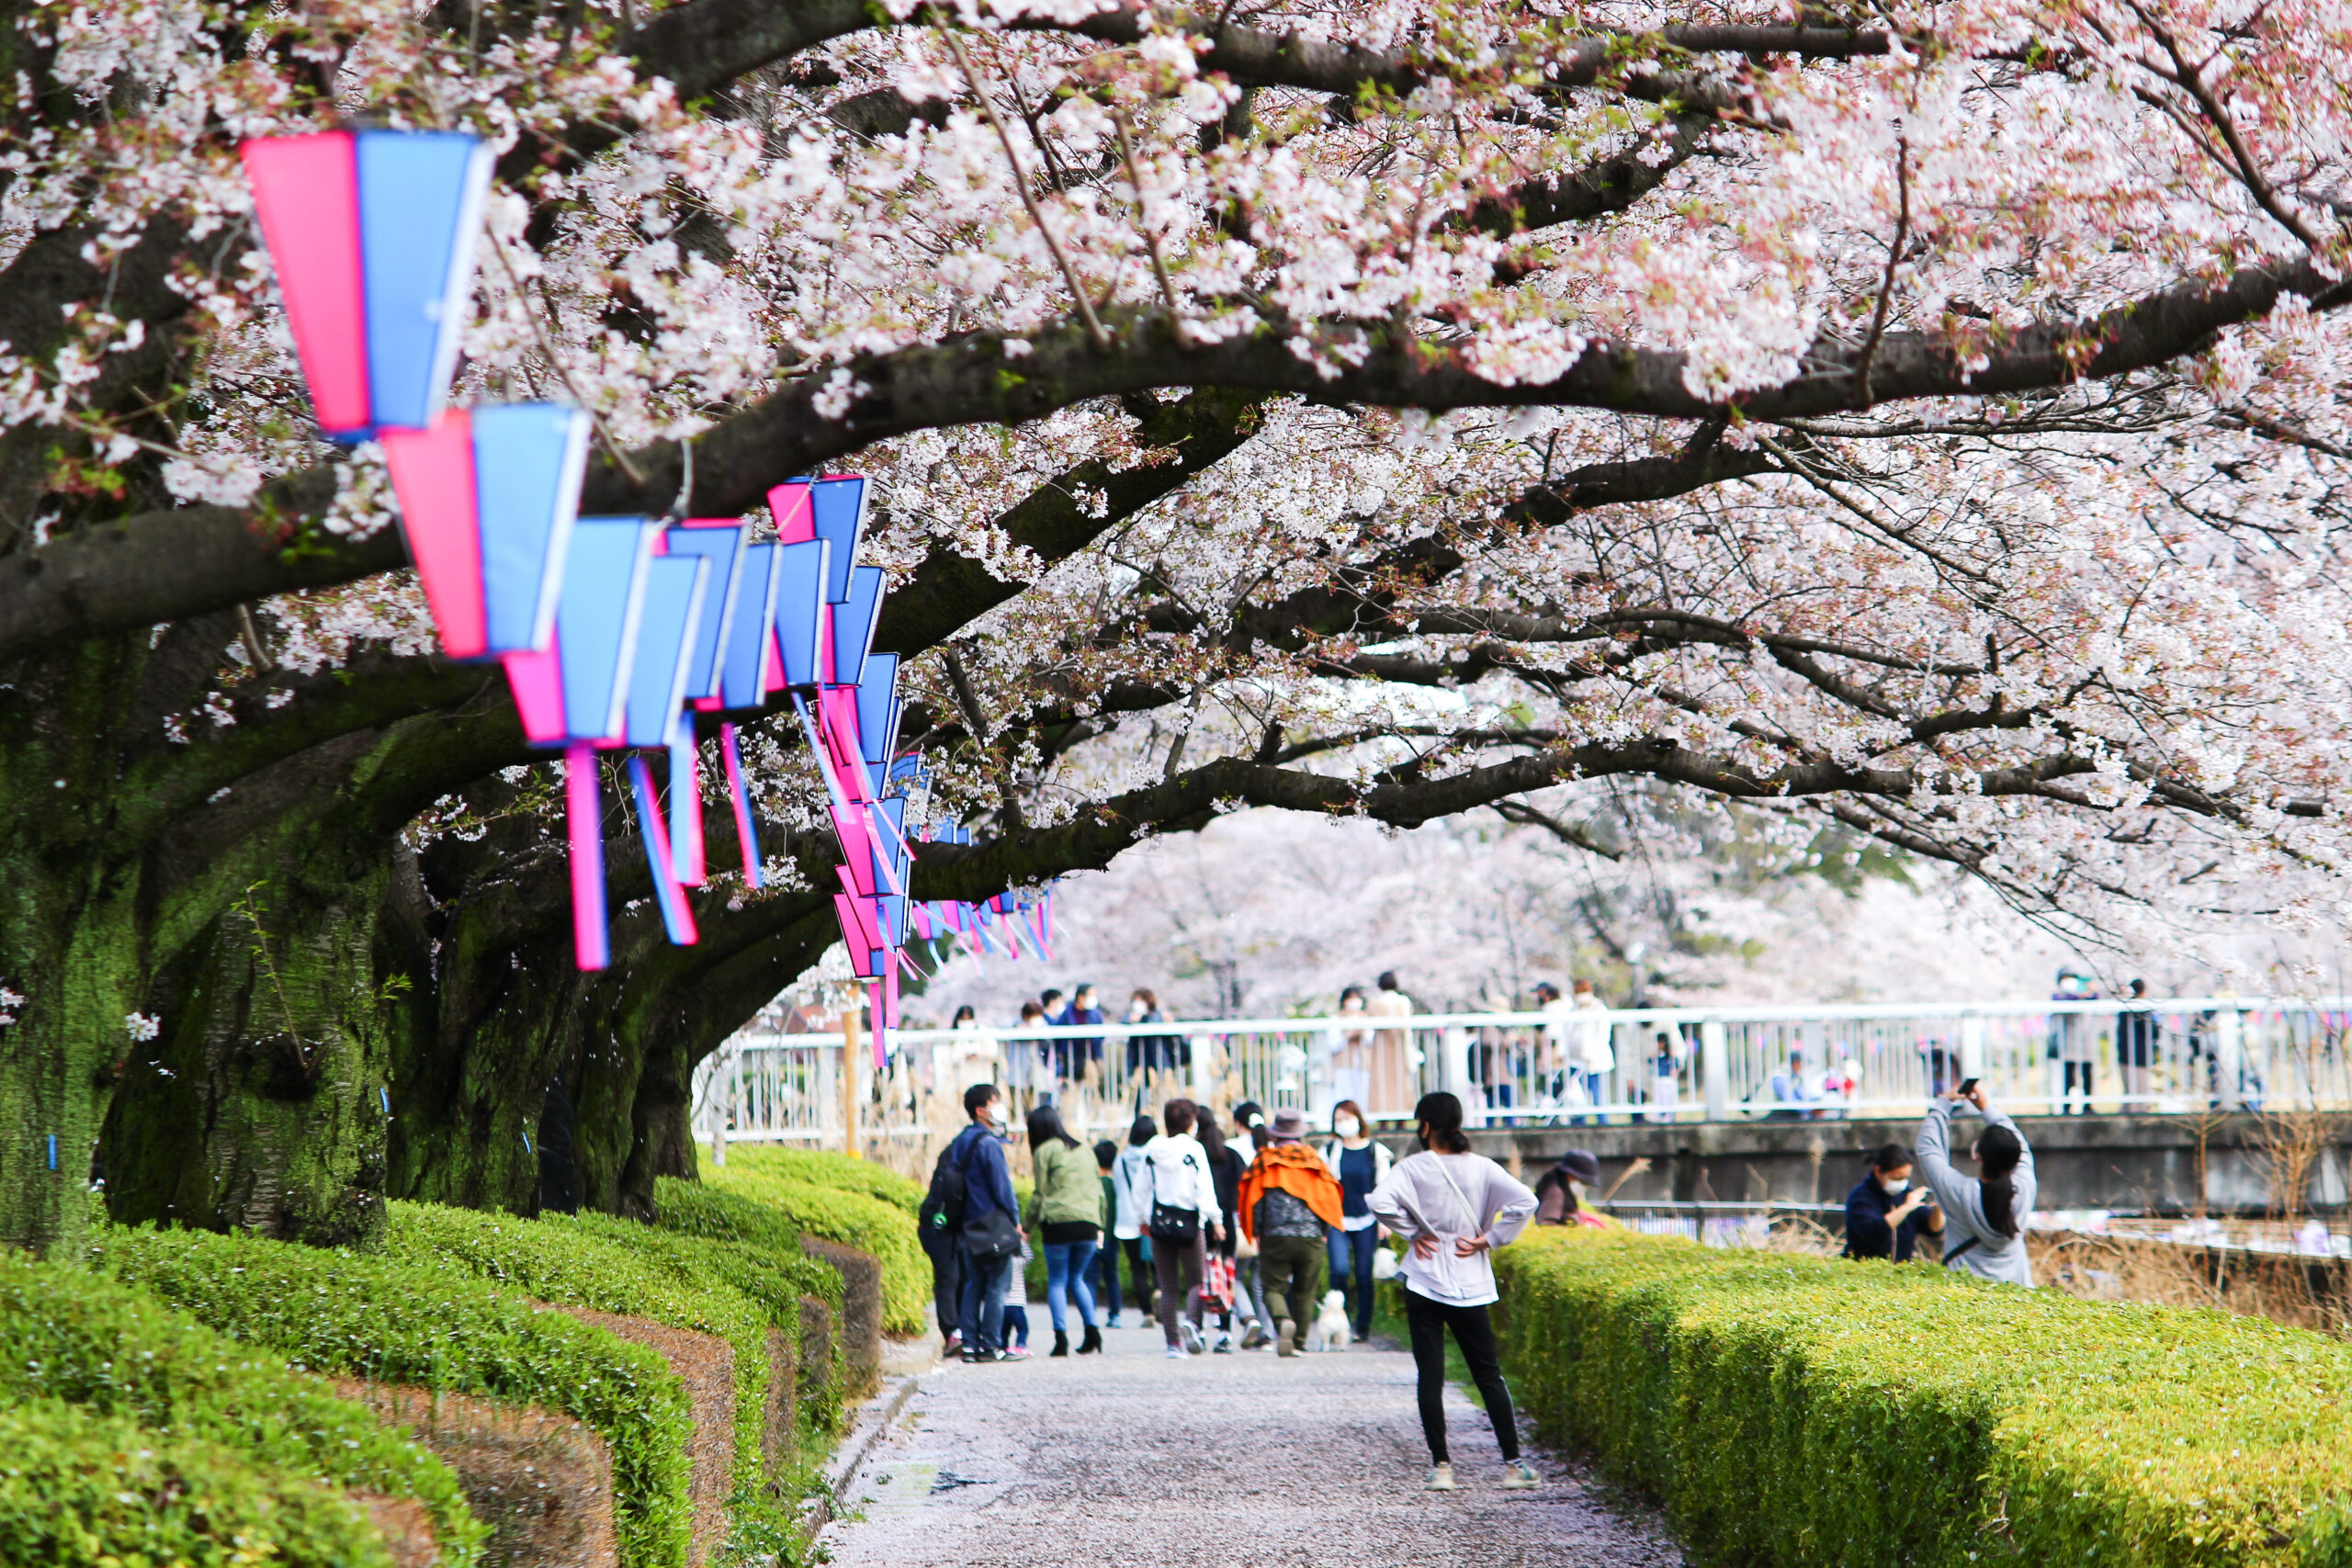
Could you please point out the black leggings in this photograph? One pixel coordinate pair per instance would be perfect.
(1428, 1320)
(2067, 1097)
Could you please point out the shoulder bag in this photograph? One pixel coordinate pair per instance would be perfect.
(1177, 1226)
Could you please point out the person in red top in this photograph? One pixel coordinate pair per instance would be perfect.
(1288, 1195)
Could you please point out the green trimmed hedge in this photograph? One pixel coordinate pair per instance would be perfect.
(822, 1170)
(1796, 1410)
(560, 1261)
(438, 1327)
(80, 1490)
(73, 1335)
(774, 1273)
(698, 1209)
(853, 1219)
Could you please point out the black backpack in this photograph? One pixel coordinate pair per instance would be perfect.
(943, 1207)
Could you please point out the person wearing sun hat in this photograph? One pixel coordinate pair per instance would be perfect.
(1288, 1197)
(1559, 1192)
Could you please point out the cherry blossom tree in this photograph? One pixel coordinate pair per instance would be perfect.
(1927, 420)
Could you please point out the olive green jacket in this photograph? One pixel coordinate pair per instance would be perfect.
(1069, 1188)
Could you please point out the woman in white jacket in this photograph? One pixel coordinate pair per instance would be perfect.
(1178, 1202)
(1455, 1208)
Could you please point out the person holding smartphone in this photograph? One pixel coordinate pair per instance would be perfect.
(1886, 1213)
(1984, 1215)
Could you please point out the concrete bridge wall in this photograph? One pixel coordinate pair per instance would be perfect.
(2170, 1165)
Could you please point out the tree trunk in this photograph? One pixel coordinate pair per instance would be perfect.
(264, 1105)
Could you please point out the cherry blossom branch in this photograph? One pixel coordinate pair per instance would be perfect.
(971, 380)
(1893, 260)
(1094, 331)
(1143, 225)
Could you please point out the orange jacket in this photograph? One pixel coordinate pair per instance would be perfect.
(1295, 1169)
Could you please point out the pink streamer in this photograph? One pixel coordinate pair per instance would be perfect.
(732, 757)
(584, 815)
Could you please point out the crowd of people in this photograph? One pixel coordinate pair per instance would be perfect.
(1049, 1071)
(1563, 1069)
(1222, 1235)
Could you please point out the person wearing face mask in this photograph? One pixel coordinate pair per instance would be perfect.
(989, 1236)
(1361, 1165)
(1885, 1215)
(1559, 1192)
(1455, 1208)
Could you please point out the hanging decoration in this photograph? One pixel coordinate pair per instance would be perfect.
(613, 632)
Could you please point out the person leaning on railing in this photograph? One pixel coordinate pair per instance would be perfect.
(1984, 1215)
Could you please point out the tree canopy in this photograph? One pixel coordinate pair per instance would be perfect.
(1924, 419)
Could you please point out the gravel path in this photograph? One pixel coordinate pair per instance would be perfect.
(1131, 1460)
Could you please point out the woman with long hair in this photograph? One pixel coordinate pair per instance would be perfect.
(1250, 1118)
(1068, 1206)
(1984, 1214)
(1226, 1164)
(1455, 1208)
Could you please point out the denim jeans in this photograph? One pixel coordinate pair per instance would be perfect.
(1106, 1276)
(1065, 1266)
(981, 1308)
(1351, 1262)
(1592, 1097)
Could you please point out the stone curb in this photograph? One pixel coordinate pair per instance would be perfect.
(874, 1418)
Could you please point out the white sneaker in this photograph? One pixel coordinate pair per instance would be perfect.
(1441, 1478)
(1175, 1352)
(1224, 1343)
(1519, 1476)
(1193, 1343)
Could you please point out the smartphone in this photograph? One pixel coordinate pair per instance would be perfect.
(1967, 1087)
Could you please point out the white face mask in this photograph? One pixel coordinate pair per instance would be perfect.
(1894, 1184)
(1347, 1126)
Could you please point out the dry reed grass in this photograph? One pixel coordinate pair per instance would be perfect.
(2301, 1292)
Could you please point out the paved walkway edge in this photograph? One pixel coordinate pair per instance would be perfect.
(873, 1419)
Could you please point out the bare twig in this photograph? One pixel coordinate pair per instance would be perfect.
(1143, 223)
(547, 347)
(1893, 260)
(1094, 332)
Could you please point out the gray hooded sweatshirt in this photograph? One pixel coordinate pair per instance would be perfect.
(1994, 1256)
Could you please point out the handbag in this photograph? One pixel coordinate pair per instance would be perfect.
(1179, 1227)
(993, 1235)
(1216, 1283)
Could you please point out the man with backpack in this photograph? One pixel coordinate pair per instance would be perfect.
(971, 1217)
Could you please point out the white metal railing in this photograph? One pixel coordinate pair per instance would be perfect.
(1521, 1068)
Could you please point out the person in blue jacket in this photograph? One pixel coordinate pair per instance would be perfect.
(991, 1234)
(1886, 1214)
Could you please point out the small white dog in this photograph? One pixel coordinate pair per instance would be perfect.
(1331, 1331)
